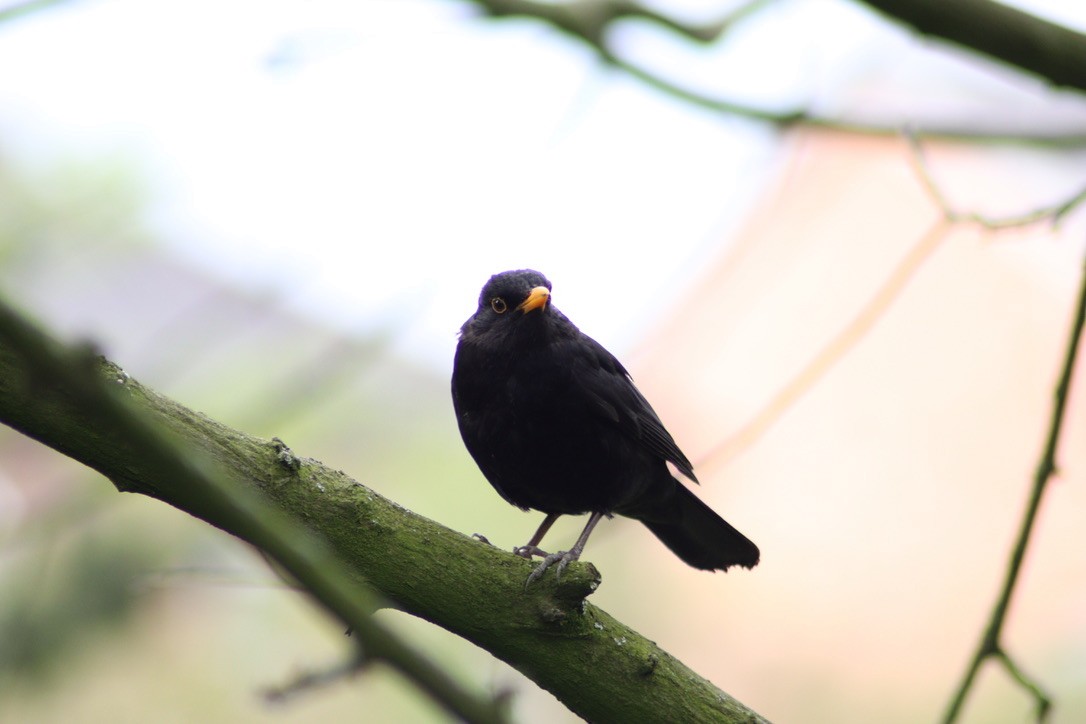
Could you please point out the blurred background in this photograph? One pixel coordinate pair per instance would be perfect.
(280, 214)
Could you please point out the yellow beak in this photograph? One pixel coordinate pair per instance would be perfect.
(537, 299)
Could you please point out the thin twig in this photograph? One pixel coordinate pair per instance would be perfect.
(311, 680)
(990, 645)
(876, 306)
(1054, 212)
(591, 19)
(870, 313)
(1044, 702)
(784, 120)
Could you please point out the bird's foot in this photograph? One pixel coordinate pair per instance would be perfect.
(529, 551)
(562, 558)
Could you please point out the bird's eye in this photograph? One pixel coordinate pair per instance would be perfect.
(498, 305)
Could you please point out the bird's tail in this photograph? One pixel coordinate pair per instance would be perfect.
(696, 534)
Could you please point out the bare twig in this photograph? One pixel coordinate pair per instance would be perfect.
(591, 19)
(880, 301)
(1054, 212)
(801, 117)
(833, 352)
(311, 680)
(990, 643)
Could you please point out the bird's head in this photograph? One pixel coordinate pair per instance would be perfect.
(510, 299)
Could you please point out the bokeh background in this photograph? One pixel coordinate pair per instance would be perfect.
(280, 214)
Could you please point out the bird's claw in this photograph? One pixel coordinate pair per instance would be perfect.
(529, 551)
(562, 558)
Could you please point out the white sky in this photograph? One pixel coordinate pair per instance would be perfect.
(369, 157)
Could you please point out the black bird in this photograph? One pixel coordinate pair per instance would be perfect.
(555, 424)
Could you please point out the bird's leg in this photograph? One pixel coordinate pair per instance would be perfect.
(531, 548)
(563, 558)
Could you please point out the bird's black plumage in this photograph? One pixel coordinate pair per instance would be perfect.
(556, 425)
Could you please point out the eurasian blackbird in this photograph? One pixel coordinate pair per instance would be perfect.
(555, 424)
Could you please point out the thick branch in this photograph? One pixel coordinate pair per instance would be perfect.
(598, 667)
(1027, 42)
(102, 404)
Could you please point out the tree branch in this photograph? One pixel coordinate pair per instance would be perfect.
(875, 307)
(1053, 213)
(1053, 52)
(598, 667)
(48, 383)
(832, 352)
(990, 643)
(591, 20)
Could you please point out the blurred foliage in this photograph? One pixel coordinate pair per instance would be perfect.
(71, 204)
(69, 567)
(64, 576)
(72, 582)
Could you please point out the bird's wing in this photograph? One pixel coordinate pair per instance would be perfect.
(613, 396)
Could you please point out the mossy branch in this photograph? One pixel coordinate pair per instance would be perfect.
(56, 394)
(92, 411)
